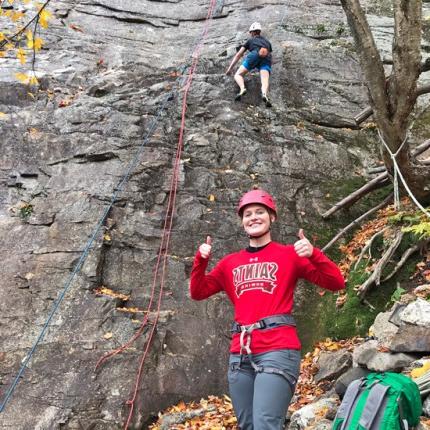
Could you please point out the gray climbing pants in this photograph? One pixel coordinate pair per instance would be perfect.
(261, 398)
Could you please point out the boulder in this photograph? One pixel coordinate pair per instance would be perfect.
(417, 313)
(312, 413)
(383, 329)
(351, 375)
(370, 356)
(332, 364)
(411, 338)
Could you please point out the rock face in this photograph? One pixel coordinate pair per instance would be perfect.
(105, 74)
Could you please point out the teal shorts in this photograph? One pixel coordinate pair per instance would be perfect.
(254, 61)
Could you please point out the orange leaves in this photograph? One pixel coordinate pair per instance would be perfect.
(351, 250)
(216, 413)
(26, 79)
(103, 291)
(33, 43)
(307, 389)
(20, 54)
(131, 310)
(76, 28)
(64, 103)
(44, 17)
(341, 300)
(213, 413)
(26, 18)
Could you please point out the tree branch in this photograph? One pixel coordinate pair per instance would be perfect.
(357, 221)
(367, 246)
(375, 277)
(378, 182)
(425, 89)
(367, 112)
(402, 261)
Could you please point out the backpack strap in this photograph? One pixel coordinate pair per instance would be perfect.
(348, 402)
(404, 425)
(373, 405)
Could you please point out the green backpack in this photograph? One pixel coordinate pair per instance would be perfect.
(379, 401)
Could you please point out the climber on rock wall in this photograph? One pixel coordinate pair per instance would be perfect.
(259, 57)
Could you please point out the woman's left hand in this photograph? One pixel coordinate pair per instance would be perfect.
(303, 247)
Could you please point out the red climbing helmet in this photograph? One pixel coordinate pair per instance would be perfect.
(256, 196)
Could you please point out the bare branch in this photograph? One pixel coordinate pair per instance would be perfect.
(357, 221)
(425, 89)
(367, 112)
(378, 182)
(375, 277)
(363, 115)
(368, 246)
(421, 148)
(402, 261)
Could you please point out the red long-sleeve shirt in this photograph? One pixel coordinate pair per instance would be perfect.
(261, 284)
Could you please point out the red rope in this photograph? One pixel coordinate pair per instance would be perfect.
(167, 229)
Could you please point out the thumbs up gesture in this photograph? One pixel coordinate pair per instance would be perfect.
(303, 247)
(205, 248)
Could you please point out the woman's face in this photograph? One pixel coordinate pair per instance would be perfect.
(256, 220)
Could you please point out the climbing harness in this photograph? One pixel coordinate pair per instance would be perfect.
(245, 331)
(268, 322)
(398, 174)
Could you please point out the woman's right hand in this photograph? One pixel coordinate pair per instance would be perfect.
(205, 248)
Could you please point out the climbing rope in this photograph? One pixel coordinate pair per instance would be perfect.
(398, 174)
(162, 256)
(116, 191)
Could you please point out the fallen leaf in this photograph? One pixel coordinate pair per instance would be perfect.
(76, 27)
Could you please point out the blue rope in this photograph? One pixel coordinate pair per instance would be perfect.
(117, 190)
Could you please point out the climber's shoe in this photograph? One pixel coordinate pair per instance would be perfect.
(266, 100)
(240, 94)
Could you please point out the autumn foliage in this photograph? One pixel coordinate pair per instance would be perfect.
(20, 25)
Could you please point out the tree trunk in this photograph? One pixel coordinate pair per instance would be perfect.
(392, 100)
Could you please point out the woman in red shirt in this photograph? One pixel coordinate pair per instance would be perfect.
(260, 281)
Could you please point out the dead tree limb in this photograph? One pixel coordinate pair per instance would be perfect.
(378, 182)
(368, 246)
(358, 221)
(368, 112)
(375, 277)
(425, 89)
(421, 148)
(402, 261)
(363, 115)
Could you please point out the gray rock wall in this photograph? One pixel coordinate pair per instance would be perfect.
(105, 71)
